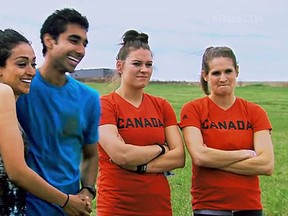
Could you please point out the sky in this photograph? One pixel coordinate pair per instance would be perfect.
(179, 32)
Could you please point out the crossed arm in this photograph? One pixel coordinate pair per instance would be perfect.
(130, 156)
(243, 162)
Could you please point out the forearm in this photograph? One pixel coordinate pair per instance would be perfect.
(251, 166)
(132, 155)
(169, 161)
(215, 158)
(89, 170)
(30, 181)
(172, 159)
(209, 157)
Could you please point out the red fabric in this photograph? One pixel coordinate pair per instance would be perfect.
(122, 192)
(232, 129)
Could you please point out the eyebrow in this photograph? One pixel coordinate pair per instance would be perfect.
(78, 37)
(25, 57)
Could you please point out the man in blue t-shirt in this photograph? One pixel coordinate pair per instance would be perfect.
(61, 115)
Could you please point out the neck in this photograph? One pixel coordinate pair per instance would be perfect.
(132, 96)
(225, 102)
(16, 97)
(52, 75)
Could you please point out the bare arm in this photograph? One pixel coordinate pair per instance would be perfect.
(124, 154)
(174, 158)
(209, 157)
(12, 149)
(262, 164)
(89, 168)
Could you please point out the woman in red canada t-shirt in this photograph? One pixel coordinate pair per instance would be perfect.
(228, 139)
(139, 139)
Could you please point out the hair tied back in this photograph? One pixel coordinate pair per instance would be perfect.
(133, 35)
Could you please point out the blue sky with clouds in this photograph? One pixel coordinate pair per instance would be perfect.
(179, 31)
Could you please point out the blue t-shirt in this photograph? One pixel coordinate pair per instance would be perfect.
(58, 122)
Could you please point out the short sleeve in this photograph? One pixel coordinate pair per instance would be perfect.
(260, 119)
(108, 111)
(169, 114)
(189, 115)
(93, 114)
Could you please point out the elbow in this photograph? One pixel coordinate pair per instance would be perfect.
(121, 160)
(198, 161)
(16, 176)
(181, 162)
(269, 169)
(179, 159)
(182, 165)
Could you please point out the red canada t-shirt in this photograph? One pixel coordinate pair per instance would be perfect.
(230, 129)
(121, 192)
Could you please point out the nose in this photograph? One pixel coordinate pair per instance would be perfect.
(144, 68)
(223, 77)
(31, 70)
(81, 49)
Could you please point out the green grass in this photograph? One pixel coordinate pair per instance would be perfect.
(274, 100)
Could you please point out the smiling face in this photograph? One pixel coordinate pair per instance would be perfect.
(19, 69)
(137, 68)
(66, 52)
(221, 76)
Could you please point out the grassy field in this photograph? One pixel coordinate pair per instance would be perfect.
(274, 100)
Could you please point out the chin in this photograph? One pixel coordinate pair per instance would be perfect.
(25, 91)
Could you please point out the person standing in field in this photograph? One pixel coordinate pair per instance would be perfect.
(139, 141)
(229, 141)
(17, 68)
(61, 115)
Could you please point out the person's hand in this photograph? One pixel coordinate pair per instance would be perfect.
(86, 196)
(130, 168)
(166, 147)
(120, 138)
(77, 206)
(251, 153)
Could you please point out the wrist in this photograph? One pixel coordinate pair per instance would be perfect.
(141, 168)
(90, 189)
(66, 201)
(163, 150)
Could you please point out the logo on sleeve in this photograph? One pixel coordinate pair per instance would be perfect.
(185, 117)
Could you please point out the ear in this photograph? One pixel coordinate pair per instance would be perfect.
(48, 41)
(119, 65)
(204, 75)
(237, 70)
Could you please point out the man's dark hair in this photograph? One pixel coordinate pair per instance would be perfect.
(56, 23)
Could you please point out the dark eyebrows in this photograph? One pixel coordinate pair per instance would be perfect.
(22, 57)
(78, 38)
(136, 60)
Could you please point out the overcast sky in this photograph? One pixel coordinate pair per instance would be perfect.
(178, 32)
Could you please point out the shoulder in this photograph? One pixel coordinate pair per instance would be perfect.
(82, 87)
(7, 98)
(6, 91)
(109, 99)
(198, 102)
(251, 108)
(248, 104)
(157, 99)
